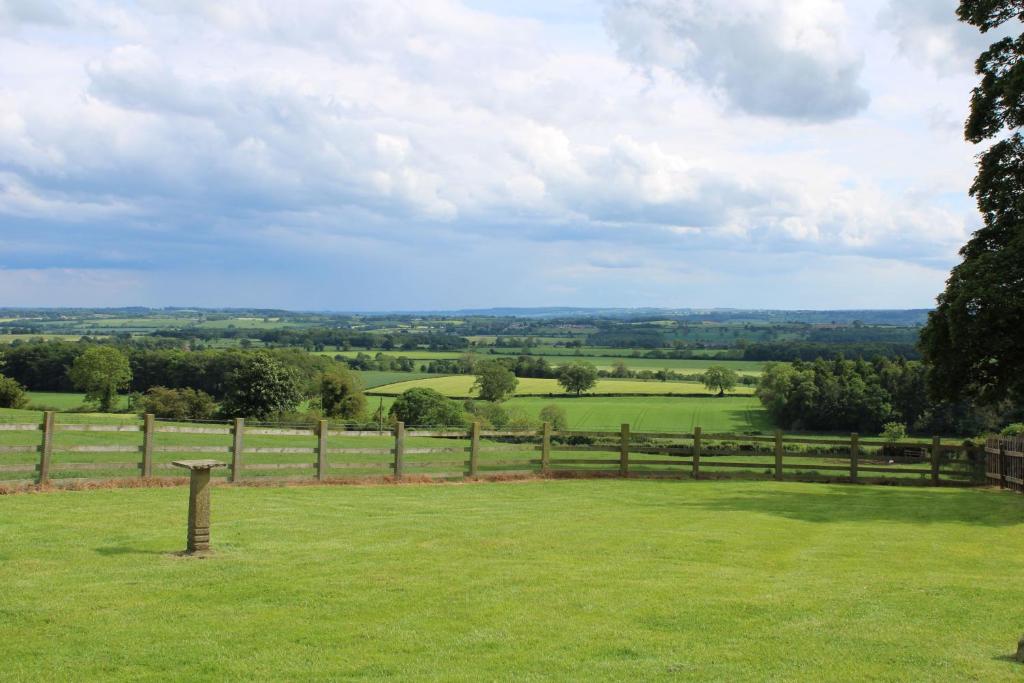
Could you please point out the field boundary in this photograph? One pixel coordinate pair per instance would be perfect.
(1004, 462)
(261, 452)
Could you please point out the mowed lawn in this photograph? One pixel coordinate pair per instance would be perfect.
(581, 580)
(462, 386)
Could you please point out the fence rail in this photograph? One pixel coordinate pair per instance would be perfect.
(55, 451)
(1004, 462)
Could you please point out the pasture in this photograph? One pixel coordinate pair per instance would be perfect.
(595, 580)
(460, 386)
(729, 415)
(602, 359)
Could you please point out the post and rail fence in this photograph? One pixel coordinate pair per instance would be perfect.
(1004, 462)
(61, 449)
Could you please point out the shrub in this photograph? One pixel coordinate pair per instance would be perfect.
(556, 416)
(177, 404)
(1015, 429)
(424, 407)
(12, 394)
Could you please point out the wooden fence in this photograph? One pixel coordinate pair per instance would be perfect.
(1004, 462)
(60, 449)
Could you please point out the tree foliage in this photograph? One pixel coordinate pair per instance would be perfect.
(12, 394)
(555, 415)
(101, 372)
(341, 395)
(577, 377)
(494, 381)
(720, 378)
(178, 404)
(972, 341)
(260, 388)
(423, 407)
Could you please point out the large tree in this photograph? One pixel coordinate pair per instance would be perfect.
(101, 372)
(494, 381)
(261, 387)
(973, 342)
(341, 395)
(577, 377)
(423, 407)
(720, 378)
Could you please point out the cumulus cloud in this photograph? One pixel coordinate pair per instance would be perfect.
(767, 58)
(247, 136)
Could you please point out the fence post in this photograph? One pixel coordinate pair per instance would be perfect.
(399, 448)
(854, 455)
(545, 449)
(321, 450)
(778, 455)
(148, 431)
(474, 447)
(46, 449)
(1002, 465)
(237, 443)
(936, 455)
(624, 451)
(696, 452)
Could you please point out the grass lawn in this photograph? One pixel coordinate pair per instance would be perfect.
(461, 386)
(742, 414)
(583, 580)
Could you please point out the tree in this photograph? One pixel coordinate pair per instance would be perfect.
(261, 387)
(341, 395)
(494, 381)
(620, 370)
(12, 394)
(555, 415)
(101, 372)
(178, 404)
(424, 407)
(577, 377)
(972, 341)
(720, 378)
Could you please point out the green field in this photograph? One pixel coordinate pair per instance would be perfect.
(566, 580)
(657, 414)
(461, 386)
(601, 362)
(63, 401)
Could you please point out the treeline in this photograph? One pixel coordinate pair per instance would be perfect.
(862, 396)
(791, 351)
(44, 366)
(323, 338)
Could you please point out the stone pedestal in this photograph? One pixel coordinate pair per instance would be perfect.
(199, 504)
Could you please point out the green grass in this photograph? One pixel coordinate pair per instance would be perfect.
(63, 400)
(676, 414)
(374, 378)
(580, 580)
(685, 366)
(460, 386)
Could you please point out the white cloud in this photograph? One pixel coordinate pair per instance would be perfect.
(785, 59)
(364, 127)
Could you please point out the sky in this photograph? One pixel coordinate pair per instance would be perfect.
(445, 154)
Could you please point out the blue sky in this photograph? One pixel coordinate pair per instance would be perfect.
(431, 154)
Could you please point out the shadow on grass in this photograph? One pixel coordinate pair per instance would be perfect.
(822, 503)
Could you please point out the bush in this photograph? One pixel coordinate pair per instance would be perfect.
(556, 416)
(893, 432)
(12, 394)
(424, 407)
(178, 404)
(1015, 429)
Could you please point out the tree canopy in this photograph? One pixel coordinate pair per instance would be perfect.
(261, 387)
(972, 341)
(577, 377)
(101, 372)
(341, 395)
(720, 378)
(494, 381)
(423, 407)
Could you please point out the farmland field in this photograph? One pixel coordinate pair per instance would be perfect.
(601, 362)
(595, 580)
(728, 415)
(460, 386)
